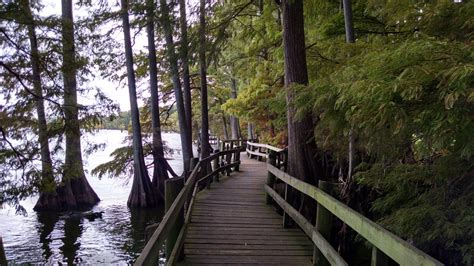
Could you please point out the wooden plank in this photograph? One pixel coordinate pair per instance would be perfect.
(300, 237)
(218, 209)
(243, 231)
(233, 203)
(395, 247)
(230, 214)
(279, 260)
(247, 246)
(259, 241)
(323, 245)
(230, 223)
(246, 252)
(235, 220)
(238, 225)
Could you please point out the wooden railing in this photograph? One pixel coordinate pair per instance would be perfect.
(260, 151)
(172, 228)
(384, 242)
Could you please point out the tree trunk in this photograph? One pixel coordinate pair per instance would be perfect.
(159, 163)
(74, 175)
(205, 149)
(234, 121)
(301, 145)
(349, 27)
(185, 66)
(142, 194)
(224, 124)
(250, 132)
(47, 199)
(186, 146)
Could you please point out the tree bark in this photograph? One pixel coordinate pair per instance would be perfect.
(250, 131)
(301, 145)
(178, 93)
(47, 189)
(142, 194)
(224, 124)
(160, 173)
(234, 121)
(205, 149)
(348, 23)
(349, 28)
(185, 66)
(74, 176)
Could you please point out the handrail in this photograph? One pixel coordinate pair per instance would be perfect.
(327, 250)
(265, 146)
(393, 246)
(150, 253)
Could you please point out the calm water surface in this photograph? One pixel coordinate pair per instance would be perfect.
(117, 238)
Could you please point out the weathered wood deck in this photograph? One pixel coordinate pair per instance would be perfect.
(231, 224)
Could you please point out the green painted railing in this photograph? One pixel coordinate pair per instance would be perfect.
(383, 241)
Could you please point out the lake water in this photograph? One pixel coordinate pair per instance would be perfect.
(117, 238)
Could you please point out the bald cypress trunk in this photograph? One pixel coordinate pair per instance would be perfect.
(234, 121)
(301, 145)
(74, 180)
(47, 199)
(224, 127)
(159, 163)
(205, 149)
(143, 194)
(185, 67)
(250, 131)
(178, 93)
(349, 27)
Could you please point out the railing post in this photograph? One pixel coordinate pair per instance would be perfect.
(251, 148)
(378, 258)
(172, 188)
(3, 257)
(215, 166)
(229, 158)
(259, 158)
(237, 157)
(271, 159)
(286, 217)
(323, 223)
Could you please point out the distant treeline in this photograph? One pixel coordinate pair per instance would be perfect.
(123, 121)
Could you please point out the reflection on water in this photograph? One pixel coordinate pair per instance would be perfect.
(116, 238)
(45, 226)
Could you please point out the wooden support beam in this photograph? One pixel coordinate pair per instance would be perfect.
(286, 217)
(323, 224)
(327, 250)
(172, 188)
(396, 248)
(215, 166)
(378, 258)
(270, 177)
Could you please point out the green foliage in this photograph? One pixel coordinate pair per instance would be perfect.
(429, 205)
(405, 90)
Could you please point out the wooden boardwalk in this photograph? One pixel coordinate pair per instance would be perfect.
(231, 224)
